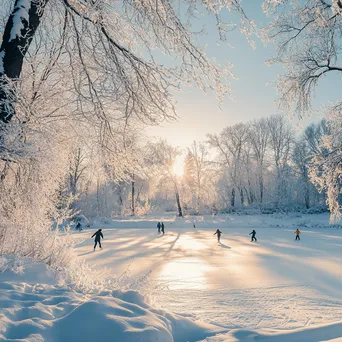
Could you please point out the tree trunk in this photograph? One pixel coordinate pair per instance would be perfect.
(133, 195)
(232, 199)
(73, 184)
(13, 49)
(242, 197)
(250, 193)
(279, 186)
(98, 196)
(261, 186)
(307, 189)
(120, 199)
(197, 204)
(180, 213)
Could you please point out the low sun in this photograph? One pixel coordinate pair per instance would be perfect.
(178, 167)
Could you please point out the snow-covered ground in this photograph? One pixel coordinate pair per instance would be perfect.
(33, 307)
(277, 289)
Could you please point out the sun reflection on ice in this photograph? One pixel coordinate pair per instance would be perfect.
(188, 243)
(185, 273)
(185, 269)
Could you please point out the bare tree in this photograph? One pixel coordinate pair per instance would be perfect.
(200, 166)
(231, 144)
(307, 35)
(162, 156)
(259, 139)
(300, 157)
(280, 142)
(101, 51)
(77, 168)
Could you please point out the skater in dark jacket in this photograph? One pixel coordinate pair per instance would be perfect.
(158, 226)
(162, 228)
(298, 232)
(253, 236)
(218, 232)
(98, 235)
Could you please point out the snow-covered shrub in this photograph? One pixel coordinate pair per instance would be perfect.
(143, 209)
(317, 209)
(268, 210)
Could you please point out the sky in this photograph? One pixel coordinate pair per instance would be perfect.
(253, 94)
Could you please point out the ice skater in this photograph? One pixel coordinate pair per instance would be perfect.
(298, 232)
(98, 235)
(163, 228)
(158, 226)
(218, 232)
(253, 236)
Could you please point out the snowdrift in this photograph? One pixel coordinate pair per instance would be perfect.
(322, 333)
(46, 311)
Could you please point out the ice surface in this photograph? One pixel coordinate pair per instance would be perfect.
(277, 289)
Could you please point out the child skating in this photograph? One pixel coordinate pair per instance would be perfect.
(298, 232)
(253, 233)
(218, 232)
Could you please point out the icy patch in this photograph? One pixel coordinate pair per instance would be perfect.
(21, 13)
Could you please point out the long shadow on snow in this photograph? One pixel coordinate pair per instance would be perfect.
(224, 246)
(299, 272)
(141, 247)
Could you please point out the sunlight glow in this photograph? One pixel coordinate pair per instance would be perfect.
(178, 166)
(185, 273)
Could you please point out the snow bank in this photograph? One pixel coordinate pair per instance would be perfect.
(329, 332)
(19, 269)
(34, 311)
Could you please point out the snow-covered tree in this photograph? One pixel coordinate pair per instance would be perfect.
(162, 156)
(281, 138)
(77, 168)
(107, 49)
(199, 155)
(300, 157)
(259, 139)
(230, 145)
(307, 35)
(326, 163)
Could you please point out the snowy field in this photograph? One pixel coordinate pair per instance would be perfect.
(277, 289)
